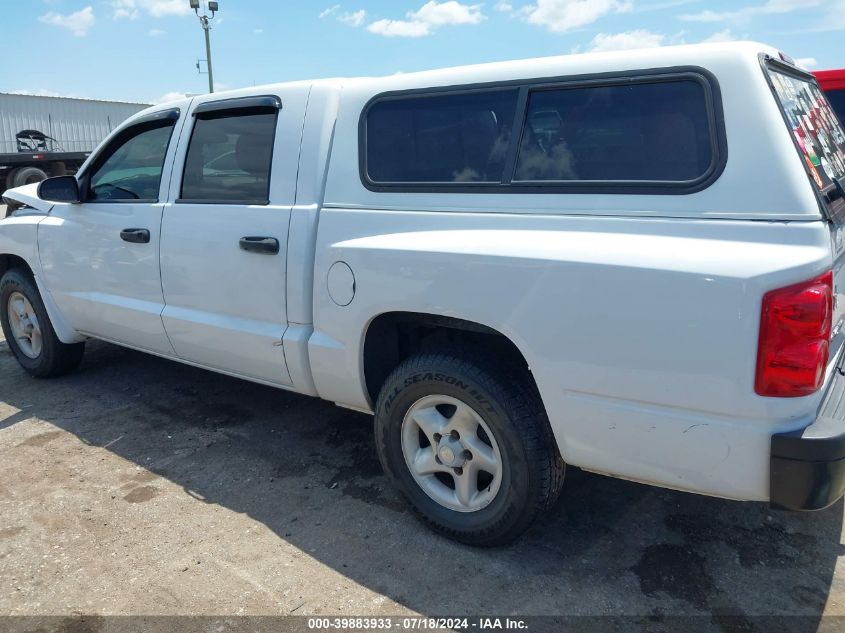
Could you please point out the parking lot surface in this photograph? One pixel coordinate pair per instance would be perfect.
(141, 486)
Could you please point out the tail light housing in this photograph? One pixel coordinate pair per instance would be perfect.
(794, 343)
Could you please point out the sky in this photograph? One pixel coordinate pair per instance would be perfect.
(147, 50)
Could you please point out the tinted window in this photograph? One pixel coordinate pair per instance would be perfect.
(635, 132)
(458, 138)
(837, 100)
(814, 126)
(132, 168)
(229, 158)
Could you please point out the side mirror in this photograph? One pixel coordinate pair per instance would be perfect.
(60, 189)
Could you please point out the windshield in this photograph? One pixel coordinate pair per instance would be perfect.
(815, 127)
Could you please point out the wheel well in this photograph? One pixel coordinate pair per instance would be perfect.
(7, 262)
(395, 336)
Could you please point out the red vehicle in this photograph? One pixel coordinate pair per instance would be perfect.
(833, 83)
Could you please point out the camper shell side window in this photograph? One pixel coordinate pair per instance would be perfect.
(651, 132)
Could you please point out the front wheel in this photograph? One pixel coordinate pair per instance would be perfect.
(29, 332)
(469, 445)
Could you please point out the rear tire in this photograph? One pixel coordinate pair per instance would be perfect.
(29, 332)
(436, 407)
(28, 176)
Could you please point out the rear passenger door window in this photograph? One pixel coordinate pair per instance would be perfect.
(229, 158)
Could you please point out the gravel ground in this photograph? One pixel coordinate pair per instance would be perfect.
(141, 486)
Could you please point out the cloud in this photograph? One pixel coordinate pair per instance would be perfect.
(124, 9)
(399, 28)
(560, 16)
(42, 92)
(427, 18)
(452, 12)
(356, 18)
(160, 8)
(156, 33)
(745, 13)
(835, 17)
(353, 18)
(810, 63)
(724, 35)
(78, 23)
(131, 9)
(830, 17)
(329, 12)
(659, 5)
(638, 38)
(170, 96)
(643, 38)
(504, 7)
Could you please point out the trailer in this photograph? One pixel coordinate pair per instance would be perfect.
(42, 137)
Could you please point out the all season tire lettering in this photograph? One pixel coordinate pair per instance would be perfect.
(436, 377)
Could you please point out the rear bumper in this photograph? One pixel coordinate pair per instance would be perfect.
(808, 466)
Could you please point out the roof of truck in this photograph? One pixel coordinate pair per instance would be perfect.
(582, 63)
(744, 189)
(576, 64)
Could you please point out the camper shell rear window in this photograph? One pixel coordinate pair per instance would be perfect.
(653, 131)
(816, 131)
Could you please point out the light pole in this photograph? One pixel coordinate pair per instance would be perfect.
(214, 7)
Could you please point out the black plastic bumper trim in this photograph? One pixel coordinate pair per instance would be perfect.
(807, 470)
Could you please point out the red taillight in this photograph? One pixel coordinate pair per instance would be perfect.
(794, 338)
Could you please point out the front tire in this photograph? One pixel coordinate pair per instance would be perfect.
(469, 445)
(29, 332)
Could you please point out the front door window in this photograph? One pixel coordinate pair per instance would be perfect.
(132, 169)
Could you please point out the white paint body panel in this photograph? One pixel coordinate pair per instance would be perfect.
(638, 315)
(641, 334)
(106, 287)
(19, 239)
(226, 308)
(28, 195)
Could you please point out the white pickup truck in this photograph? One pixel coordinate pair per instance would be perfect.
(630, 262)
